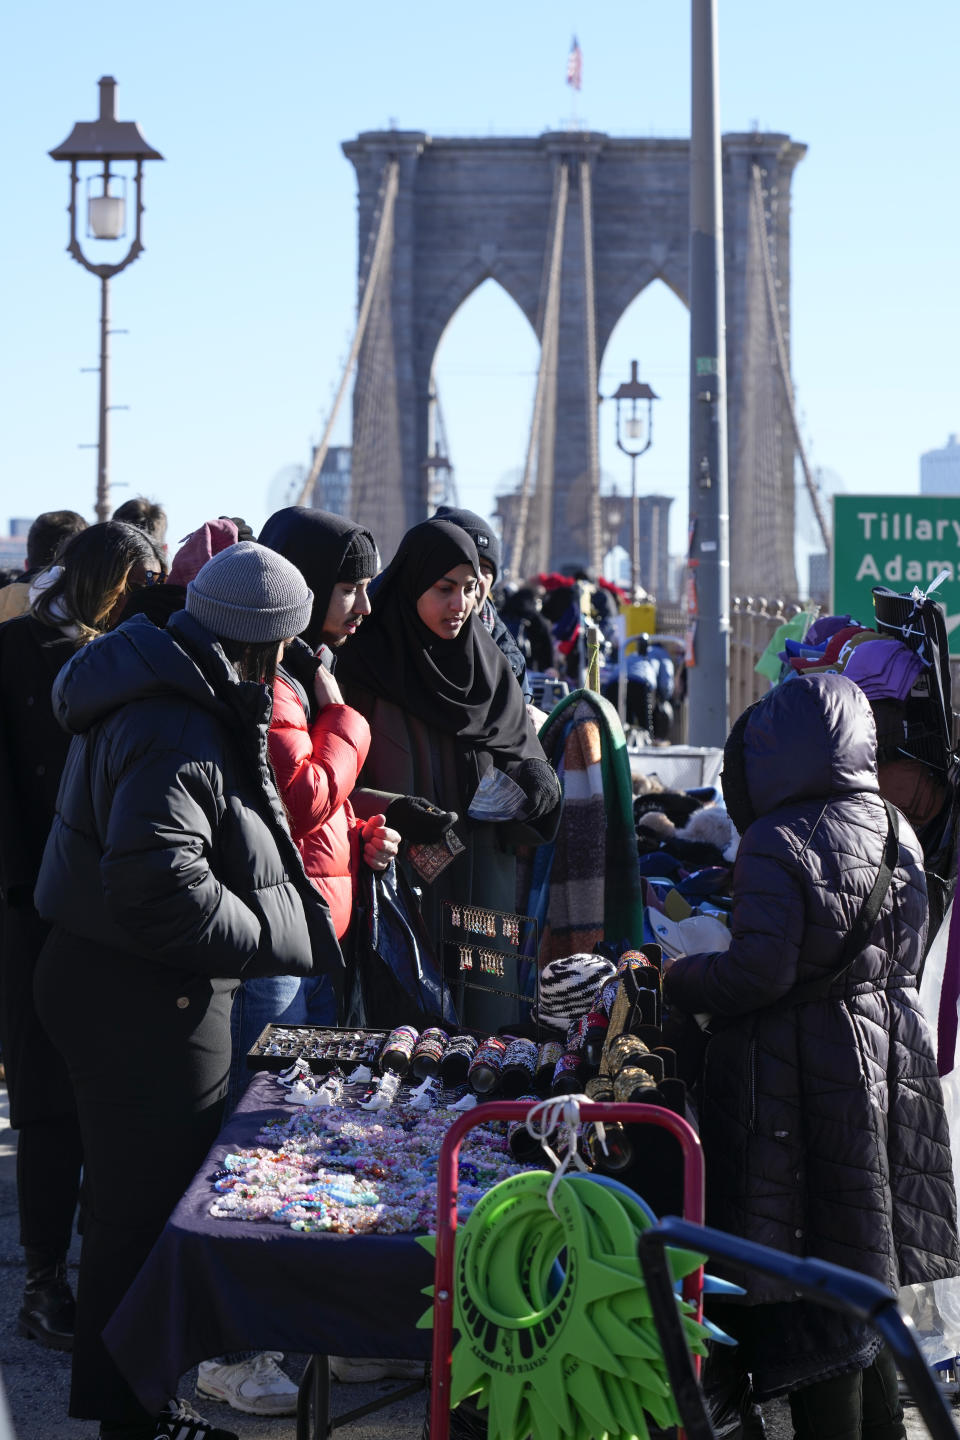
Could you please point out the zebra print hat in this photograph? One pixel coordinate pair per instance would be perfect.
(568, 988)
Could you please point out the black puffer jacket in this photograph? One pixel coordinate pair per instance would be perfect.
(170, 842)
(822, 1122)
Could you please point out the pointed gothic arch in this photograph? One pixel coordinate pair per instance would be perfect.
(468, 209)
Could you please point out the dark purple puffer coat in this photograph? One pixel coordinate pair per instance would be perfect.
(822, 1122)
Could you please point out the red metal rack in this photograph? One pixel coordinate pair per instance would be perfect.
(447, 1182)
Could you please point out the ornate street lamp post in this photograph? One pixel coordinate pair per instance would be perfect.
(634, 438)
(107, 141)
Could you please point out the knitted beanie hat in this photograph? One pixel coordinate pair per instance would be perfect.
(359, 559)
(488, 546)
(212, 537)
(568, 988)
(251, 594)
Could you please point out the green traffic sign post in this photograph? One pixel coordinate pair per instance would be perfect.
(899, 541)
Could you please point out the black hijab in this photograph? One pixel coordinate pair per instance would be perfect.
(316, 541)
(462, 686)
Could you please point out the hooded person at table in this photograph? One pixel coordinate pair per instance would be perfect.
(822, 1115)
(169, 875)
(446, 715)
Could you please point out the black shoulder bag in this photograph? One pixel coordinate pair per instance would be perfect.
(393, 975)
(862, 927)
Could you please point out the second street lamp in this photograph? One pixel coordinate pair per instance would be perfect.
(634, 437)
(106, 141)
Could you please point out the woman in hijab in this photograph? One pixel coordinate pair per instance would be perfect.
(447, 715)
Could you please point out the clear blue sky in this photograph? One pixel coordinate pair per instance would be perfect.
(240, 311)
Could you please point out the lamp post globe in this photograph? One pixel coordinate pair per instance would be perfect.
(106, 142)
(634, 437)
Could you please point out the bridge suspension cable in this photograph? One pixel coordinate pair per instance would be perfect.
(381, 246)
(529, 556)
(594, 529)
(783, 364)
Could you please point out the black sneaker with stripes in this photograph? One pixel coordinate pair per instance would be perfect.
(182, 1422)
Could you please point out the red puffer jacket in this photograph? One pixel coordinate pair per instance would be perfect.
(316, 768)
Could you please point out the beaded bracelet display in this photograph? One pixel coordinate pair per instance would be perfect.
(398, 1048)
(547, 1057)
(428, 1051)
(519, 1066)
(489, 1055)
(337, 1170)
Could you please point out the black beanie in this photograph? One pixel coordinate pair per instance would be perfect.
(488, 546)
(359, 559)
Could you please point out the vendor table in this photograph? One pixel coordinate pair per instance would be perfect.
(213, 1286)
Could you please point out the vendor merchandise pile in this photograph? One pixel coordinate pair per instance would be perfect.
(687, 846)
(360, 1153)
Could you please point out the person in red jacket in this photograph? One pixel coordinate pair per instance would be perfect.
(318, 744)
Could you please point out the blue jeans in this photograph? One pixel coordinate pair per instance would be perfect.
(267, 1000)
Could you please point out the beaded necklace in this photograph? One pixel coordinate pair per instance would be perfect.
(341, 1170)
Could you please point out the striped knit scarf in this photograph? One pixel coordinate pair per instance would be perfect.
(585, 887)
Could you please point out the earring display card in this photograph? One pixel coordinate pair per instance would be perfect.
(492, 950)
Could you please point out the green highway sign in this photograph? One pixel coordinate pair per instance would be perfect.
(899, 541)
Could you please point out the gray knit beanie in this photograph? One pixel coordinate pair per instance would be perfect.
(250, 593)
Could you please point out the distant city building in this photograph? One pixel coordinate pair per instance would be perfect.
(819, 577)
(940, 469)
(332, 489)
(653, 525)
(13, 547)
(678, 574)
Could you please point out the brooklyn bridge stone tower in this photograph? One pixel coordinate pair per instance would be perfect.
(573, 226)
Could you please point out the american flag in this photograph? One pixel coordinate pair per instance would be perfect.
(575, 65)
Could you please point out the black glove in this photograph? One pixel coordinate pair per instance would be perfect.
(243, 529)
(418, 820)
(538, 781)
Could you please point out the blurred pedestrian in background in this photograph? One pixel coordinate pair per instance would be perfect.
(44, 538)
(72, 603)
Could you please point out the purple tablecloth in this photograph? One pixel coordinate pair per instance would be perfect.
(213, 1286)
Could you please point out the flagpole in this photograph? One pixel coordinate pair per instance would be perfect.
(574, 77)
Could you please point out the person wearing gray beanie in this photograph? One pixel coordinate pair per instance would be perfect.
(169, 877)
(251, 594)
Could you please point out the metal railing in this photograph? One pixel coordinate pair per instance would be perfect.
(753, 621)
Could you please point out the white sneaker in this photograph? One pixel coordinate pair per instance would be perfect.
(257, 1386)
(362, 1370)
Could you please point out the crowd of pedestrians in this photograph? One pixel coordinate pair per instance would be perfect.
(199, 761)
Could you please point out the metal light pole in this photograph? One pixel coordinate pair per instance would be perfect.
(106, 141)
(708, 587)
(638, 429)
